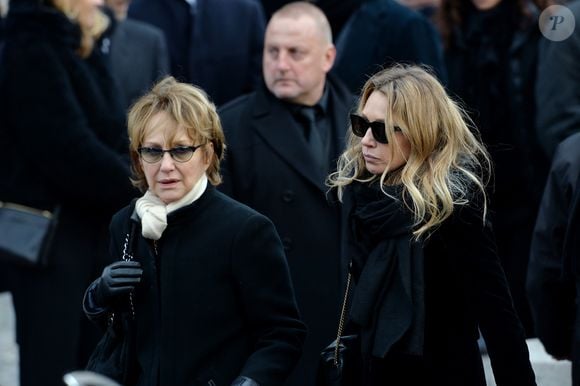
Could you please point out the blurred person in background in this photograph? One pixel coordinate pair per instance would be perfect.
(216, 44)
(553, 283)
(137, 52)
(65, 139)
(558, 85)
(381, 33)
(491, 60)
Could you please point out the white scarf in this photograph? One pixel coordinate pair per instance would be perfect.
(153, 212)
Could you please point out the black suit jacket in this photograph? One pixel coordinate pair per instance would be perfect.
(138, 57)
(269, 168)
(216, 45)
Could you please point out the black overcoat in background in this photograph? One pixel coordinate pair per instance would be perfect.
(216, 45)
(215, 300)
(552, 281)
(63, 137)
(138, 57)
(382, 33)
(498, 92)
(269, 168)
(558, 87)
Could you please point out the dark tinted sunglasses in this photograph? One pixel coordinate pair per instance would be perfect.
(155, 154)
(360, 126)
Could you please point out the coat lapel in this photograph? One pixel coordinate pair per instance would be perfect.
(341, 103)
(275, 124)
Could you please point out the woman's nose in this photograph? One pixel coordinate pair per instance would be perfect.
(368, 139)
(167, 162)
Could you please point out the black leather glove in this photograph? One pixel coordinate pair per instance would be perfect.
(244, 381)
(117, 279)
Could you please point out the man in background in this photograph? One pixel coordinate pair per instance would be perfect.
(284, 140)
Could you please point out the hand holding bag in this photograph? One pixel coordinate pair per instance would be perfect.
(340, 362)
(26, 234)
(115, 355)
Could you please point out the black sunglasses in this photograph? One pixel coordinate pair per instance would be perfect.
(360, 126)
(155, 154)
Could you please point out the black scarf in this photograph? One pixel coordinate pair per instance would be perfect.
(388, 302)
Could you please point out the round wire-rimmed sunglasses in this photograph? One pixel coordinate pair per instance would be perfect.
(155, 154)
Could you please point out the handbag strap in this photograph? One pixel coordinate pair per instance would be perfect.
(342, 319)
(128, 256)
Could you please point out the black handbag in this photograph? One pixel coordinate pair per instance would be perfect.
(26, 234)
(115, 355)
(340, 362)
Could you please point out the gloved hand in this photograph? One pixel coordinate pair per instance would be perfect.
(244, 381)
(117, 279)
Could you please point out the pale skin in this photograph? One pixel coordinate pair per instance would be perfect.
(296, 59)
(379, 156)
(168, 179)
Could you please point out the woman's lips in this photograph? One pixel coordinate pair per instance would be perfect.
(370, 158)
(167, 182)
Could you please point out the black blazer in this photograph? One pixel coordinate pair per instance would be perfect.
(217, 45)
(268, 167)
(215, 301)
(138, 56)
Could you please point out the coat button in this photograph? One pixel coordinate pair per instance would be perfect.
(287, 243)
(288, 196)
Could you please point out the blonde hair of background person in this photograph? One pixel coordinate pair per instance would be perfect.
(445, 157)
(92, 21)
(190, 107)
(4, 4)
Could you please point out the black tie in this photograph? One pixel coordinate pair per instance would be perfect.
(313, 137)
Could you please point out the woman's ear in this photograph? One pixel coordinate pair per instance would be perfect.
(209, 152)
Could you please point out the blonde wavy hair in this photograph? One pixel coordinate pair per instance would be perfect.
(446, 158)
(187, 105)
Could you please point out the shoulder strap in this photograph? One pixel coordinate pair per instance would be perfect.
(342, 320)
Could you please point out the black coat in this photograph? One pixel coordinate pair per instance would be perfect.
(381, 33)
(496, 82)
(63, 137)
(552, 273)
(138, 58)
(269, 168)
(464, 289)
(572, 258)
(557, 88)
(215, 300)
(217, 45)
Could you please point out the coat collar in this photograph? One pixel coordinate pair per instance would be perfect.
(275, 124)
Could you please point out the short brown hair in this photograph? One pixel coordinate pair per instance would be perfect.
(187, 105)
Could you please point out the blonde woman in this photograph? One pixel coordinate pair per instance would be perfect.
(423, 255)
(65, 146)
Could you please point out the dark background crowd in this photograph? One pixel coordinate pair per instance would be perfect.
(521, 90)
